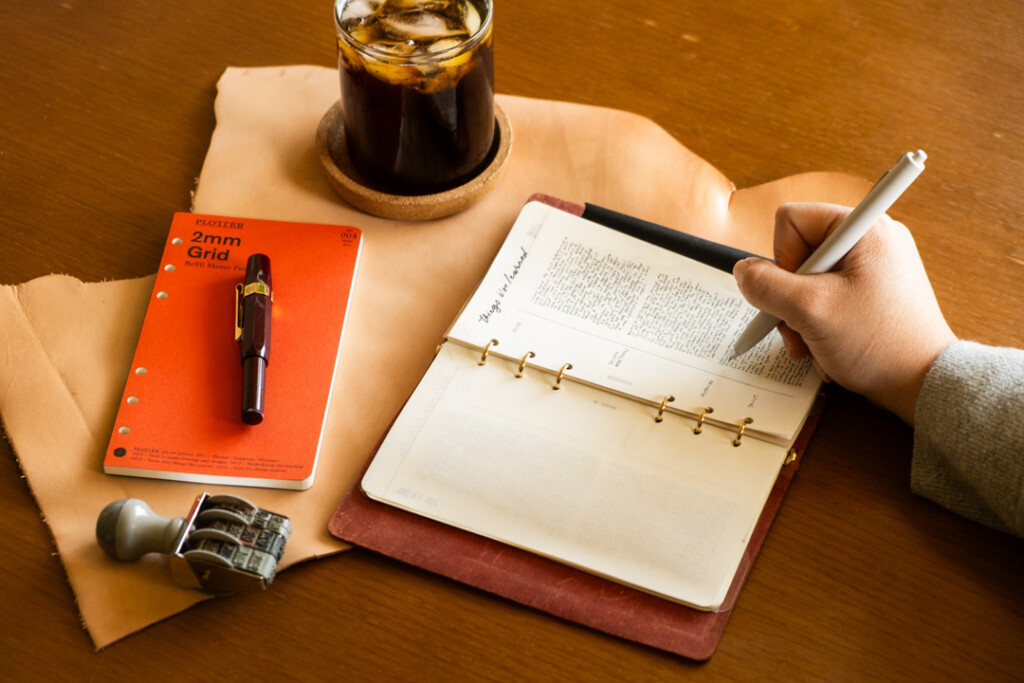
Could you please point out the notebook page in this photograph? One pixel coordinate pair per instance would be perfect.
(633, 318)
(578, 475)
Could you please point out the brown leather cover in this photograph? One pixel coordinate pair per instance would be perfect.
(544, 584)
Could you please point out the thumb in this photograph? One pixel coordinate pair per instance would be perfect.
(770, 288)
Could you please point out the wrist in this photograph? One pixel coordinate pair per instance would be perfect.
(904, 402)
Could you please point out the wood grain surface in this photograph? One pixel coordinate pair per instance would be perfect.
(107, 111)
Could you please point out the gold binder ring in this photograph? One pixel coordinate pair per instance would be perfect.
(522, 363)
(661, 409)
(739, 433)
(700, 420)
(483, 356)
(558, 378)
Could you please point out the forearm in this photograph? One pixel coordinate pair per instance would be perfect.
(969, 438)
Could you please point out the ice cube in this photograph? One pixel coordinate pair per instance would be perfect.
(419, 26)
(433, 5)
(471, 20)
(443, 44)
(356, 11)
(400, 48)
(361, 33)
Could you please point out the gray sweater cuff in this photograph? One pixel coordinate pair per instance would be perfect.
(969, 435)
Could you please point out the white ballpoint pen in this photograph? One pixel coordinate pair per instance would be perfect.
(877, 201)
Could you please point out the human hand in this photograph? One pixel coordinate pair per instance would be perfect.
(872, 324)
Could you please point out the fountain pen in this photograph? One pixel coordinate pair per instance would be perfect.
(254, 299)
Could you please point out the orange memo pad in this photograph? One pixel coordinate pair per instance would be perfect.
(179, 417)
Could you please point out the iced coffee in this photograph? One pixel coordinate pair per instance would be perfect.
(417, 91)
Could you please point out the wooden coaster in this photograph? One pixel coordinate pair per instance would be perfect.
(333, 155)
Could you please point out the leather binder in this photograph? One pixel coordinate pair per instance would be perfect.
(558, 589)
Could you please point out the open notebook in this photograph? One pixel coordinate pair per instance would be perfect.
(584, 408)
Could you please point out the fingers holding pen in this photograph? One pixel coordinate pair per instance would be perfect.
(795, 299)
(872, 323)
(800, 227)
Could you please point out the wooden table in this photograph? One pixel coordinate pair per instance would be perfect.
(107, 114)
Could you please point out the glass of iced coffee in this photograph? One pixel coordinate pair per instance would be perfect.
(417, 91)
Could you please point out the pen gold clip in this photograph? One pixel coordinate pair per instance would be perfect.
(238, 312)
(242, 291)
(257, 288)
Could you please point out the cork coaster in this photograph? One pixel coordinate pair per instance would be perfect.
(333, 156)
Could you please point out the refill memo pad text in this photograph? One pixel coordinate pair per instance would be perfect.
(585, 407)
(179, 417)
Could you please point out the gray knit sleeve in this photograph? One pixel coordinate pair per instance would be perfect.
(969, 435)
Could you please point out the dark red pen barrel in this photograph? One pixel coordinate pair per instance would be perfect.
(254, 378)
(256, 306)
(256, 326)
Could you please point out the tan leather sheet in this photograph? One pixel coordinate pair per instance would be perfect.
(65, 346)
